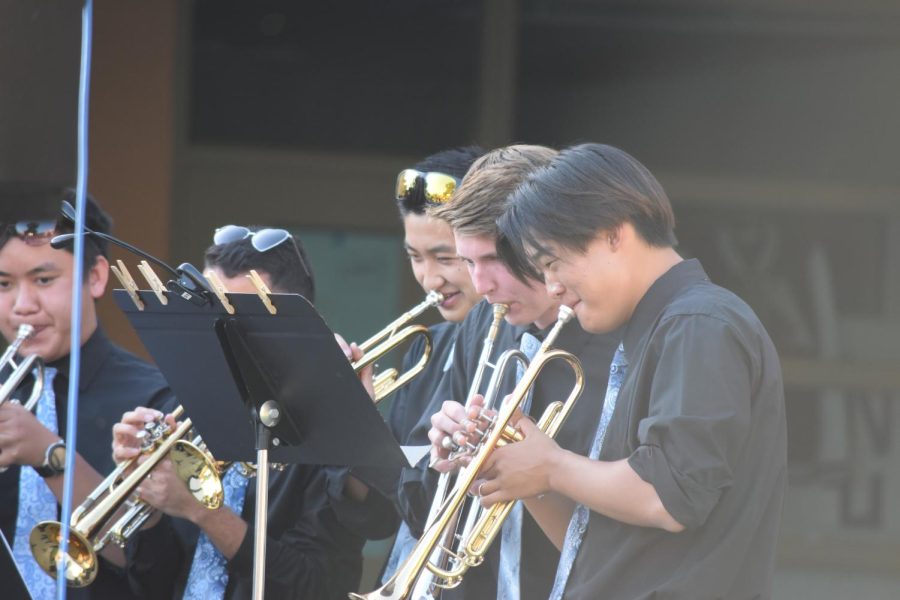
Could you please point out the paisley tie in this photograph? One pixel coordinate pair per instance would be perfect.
(208, 577)
(36, 503)
(579, 522)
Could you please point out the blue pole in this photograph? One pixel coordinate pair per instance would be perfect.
(87, 15)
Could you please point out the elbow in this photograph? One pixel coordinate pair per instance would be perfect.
(661, 518)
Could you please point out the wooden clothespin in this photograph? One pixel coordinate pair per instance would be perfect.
(219, 290)
(155, 284)
(262, 290)
(128, 283)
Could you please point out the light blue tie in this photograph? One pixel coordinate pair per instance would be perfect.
(208, 577)
(579, 522)
(511, 533)
(36, 503)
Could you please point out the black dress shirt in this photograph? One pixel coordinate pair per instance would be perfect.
(112, 382)
(700, 416)
(309, 554)
(539, 556)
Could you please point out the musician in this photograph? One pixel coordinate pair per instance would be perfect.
(36, 288)
(525, 565)
(430, 247)
(685, 496)
(196, 552)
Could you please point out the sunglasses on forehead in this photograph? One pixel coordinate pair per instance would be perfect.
(438, 187)
(34, 233)
(262, 240)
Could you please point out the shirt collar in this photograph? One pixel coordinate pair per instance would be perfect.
(680, 276)
(93, 352)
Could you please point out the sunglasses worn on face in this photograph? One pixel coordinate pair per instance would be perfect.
(262, 240)
(34, 233)
(438, 186)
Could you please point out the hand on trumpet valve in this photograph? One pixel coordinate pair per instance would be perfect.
(136, 429)
(454, 435)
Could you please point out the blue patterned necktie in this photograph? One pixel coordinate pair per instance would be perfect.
(208, 577)
(36, 503)
(579, 521)
(511, 540)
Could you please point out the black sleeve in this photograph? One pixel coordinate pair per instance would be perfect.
(698, 422)
(307, 550)
(154, 559)
(375, 518)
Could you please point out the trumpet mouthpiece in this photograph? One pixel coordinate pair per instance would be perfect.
(25, 331)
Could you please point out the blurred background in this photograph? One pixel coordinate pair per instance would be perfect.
(772, 124)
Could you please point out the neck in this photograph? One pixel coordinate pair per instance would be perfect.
(653, 263)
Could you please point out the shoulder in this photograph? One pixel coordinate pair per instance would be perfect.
(121, 366)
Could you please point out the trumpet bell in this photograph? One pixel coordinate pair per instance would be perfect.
(81, 562)
(199, 472)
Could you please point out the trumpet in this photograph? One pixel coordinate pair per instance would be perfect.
(89, 531)
(426, 586)
(21, 370)
(389, 380)
(499, 432)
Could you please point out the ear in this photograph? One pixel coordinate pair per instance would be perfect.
(98, 276)
(615, 236)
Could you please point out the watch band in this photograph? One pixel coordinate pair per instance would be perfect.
(48, 469)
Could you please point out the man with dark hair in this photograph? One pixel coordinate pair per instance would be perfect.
(310, 551)
(36, 289)
(521, 562)
(682, 492)
(432, 255)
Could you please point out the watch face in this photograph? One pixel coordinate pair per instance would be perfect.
(57, 459)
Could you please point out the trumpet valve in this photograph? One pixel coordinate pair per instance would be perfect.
(511, 435)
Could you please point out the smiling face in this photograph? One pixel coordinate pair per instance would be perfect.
(432, 254)
(598, 282)
(493, 280)
(36, 288)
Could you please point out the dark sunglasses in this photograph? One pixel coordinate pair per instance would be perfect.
(34, 233)
(262, 240)
(438, 187)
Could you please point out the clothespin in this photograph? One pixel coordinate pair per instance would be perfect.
(219, 290)
(128, 283)
(262, 290)
(155, 284)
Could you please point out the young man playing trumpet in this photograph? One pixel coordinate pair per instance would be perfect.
(191, 551)
(521, 563)
(682, 492)
(36, 289)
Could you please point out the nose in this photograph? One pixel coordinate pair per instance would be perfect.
(26, 301)
(555, 289)
(481, 280)
(432, 278)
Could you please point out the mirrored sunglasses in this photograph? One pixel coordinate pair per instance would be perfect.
(438, 187)
(35, 233)
(262, 240)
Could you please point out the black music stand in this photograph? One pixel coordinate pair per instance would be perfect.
(14, 587)
(291, 391)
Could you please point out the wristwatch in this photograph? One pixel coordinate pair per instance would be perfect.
(54, 460)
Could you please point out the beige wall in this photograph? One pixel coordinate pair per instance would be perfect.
(132, 130)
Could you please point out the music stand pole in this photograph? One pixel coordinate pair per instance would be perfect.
(268, 417)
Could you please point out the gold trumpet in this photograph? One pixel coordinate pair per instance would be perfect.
(89, 531)
(498, 433)
(21, 370)
(389, 380)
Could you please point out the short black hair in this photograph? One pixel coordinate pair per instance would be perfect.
(454, 162)
(585, 190)
(95, 218)
(287, 264)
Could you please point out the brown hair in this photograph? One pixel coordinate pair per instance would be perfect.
(483, 197)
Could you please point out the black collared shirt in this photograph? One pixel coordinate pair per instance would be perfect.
(112, 381)
(309, 553)
(700, 416)
(539, 556)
